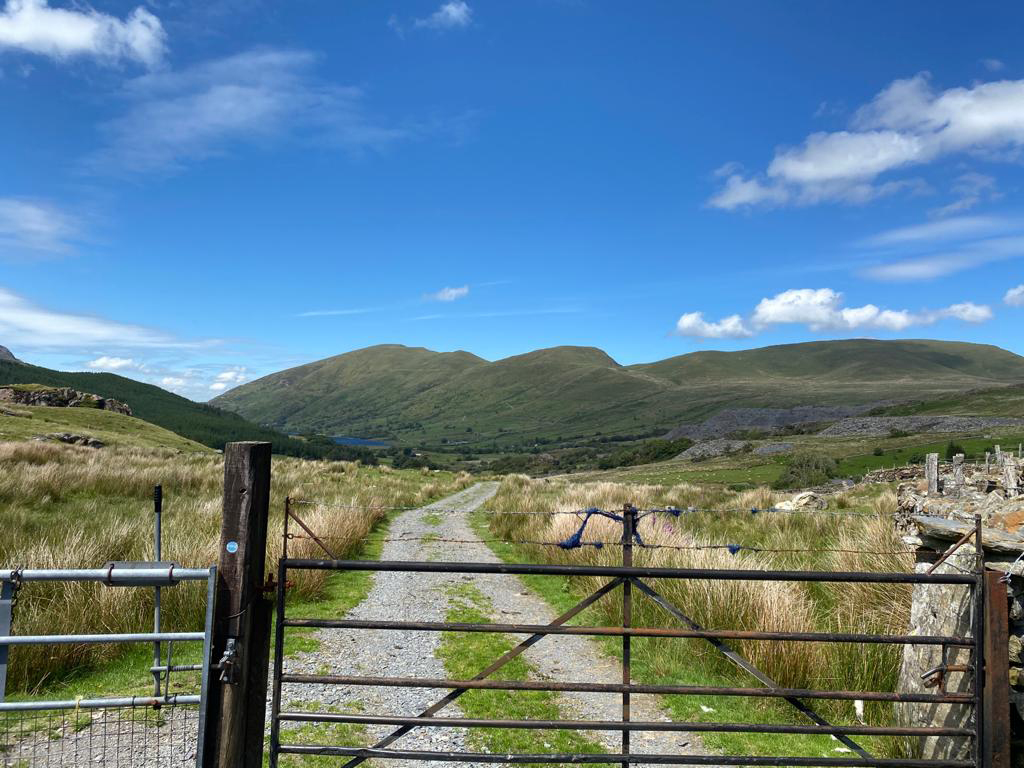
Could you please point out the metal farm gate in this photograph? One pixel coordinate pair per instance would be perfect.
(291, 732)
(162, 728)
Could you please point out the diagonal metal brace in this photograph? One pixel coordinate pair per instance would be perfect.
(745, 665)
(494, 666)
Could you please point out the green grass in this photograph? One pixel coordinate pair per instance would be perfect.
(26, 422)
(465, 654)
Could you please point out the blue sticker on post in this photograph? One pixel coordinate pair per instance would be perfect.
(232, 547)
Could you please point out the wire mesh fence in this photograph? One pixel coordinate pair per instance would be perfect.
(112, 737)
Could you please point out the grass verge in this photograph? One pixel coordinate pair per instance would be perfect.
(465, 654)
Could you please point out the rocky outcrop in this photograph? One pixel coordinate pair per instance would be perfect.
(768, 420)
(7, 357)
(61, 397)
(70, 439)
(713, 448)
(881, 426)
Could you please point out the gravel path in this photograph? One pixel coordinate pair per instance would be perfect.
(424, 597)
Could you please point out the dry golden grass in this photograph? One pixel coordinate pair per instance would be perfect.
(800, 541)
(70, 507)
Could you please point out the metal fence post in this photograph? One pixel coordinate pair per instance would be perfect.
(628, 526)
(6, 609)
(238, 701)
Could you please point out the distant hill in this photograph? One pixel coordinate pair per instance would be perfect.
(414, 394)
(200, 422)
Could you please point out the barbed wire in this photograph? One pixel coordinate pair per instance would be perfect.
(641, 513)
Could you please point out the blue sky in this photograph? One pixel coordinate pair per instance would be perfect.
(199, 193)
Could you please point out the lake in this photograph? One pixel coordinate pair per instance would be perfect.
(341, 440)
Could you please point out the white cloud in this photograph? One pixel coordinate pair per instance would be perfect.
(172, 382)
(62, 33)
(968, 311)
(823, 309)
(962, 257)
(693, 324)
(970, 188)
(109, 363)
(738, 192)
(33, 327)
(338, 312)
(451, 15)
(34, 226)
(251, 98)
(1015, 297)
(228, 378)
(908, 124)
(959, 228)
(993, 65)
(448, 294)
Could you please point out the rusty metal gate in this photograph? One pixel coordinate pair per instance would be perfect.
(630, 583)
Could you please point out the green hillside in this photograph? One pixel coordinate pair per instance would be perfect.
(199, 422)
(419, 395)
(1002, 401)
(24, 423)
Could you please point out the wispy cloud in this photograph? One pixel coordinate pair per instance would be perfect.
(33, 327)
(62, 33)
(501, 313)
(340, 312)
(960, 228)
(251, 98)
(455, 14)
(448, 294)
(35, 227)
(993, 65)
(823, 309)
(908, 124)
(970, 189)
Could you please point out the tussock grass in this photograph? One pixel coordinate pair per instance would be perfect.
(771, 606)
(70, 507)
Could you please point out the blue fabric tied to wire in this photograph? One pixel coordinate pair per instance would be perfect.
(576, 540)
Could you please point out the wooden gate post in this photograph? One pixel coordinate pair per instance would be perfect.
(996, 744)
(241, 629)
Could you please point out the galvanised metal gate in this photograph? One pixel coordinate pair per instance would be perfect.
(628, 580)
(162, 728)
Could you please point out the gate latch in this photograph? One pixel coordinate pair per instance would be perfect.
(226, 665)
(934, 676)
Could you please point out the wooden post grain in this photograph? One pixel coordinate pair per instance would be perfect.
(241, 623)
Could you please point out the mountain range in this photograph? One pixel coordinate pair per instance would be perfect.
(414, 394)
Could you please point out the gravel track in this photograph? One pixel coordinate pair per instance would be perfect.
(424, 597)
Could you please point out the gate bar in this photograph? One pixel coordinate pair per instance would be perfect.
(113, 575)
(543, 629)
(613, 725)
(127, 637)
(362, 753)
(111, 703)
(717, 574)
(681, 690)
